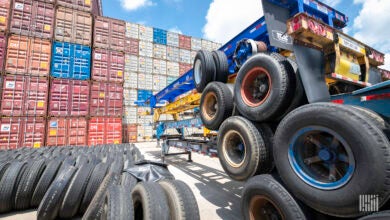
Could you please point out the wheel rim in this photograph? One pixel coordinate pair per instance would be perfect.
(260, 207)
(256, 87)
(210, 107)
(321, 158)
(234, 149)
(198, 71)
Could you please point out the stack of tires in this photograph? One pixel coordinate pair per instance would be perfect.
(68, 182)
(323, 157)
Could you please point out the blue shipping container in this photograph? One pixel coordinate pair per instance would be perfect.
(159, 36)
(144, 94)
(71, 61)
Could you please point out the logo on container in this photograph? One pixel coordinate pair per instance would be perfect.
(6, 127)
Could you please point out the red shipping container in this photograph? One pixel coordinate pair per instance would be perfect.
(66, 132)
(106, 99)
(109, 33)
(69, 98)
(3, 45)
(104, 130)
(132, 46)
(83, 5)
(24, 96)
(34, 132)
(130, 133)
(10, 133)
(5, 6)
(108, 65)
(29, 56)
(32, 18)
(184, 42)
(184, 68)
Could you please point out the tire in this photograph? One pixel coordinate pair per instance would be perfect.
(254, 158)
(150, 202)
(203, 69)
(117, 166)
(336, 191)
(268, 137)
(181, 201)
(263, 197)
(44, 182)
(271, 97)
(74, 194)
(128, 180)
(383, 215)
(373, 116)
(26, 187)
(215, 105)
(3, 167)
(221, 66)
(8, 185)
(119, 203)
(51, 202)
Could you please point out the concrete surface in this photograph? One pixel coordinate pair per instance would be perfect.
(218, 196)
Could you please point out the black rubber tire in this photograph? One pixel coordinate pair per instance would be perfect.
(27, 184)
(73, 196)
(268, 137)
(3, 167)
(97, 177)
(268, 189)
(215, 105)
(44, 182)
(181, 201)
(51, 202)
(383, 215)
(150, 202)
(375, 118)
(204, 64)
(95, 208)
(372, 168)
(276, 102)
(119, 203)
(256, 159)
(128, 180)
(117, 166)
(221, 66)
(8, 185)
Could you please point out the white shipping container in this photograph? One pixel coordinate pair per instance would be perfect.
(163, 83)
(132, 30)
(172, 54)
(207, 45)
(185, 56)
(130, 96)
(141, 81)
(172, 39)
(172, 69)
(145, 65)
(216, 46)
(146, 49)
(160, 51)
(131, 80)
(148, 82)
(159, 66)
(131, 63)
(148, 121)
(193, 55)
(129, 115)
(145, 33)
(196, 44)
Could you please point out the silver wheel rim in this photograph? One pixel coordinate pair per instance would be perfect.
(198, 71)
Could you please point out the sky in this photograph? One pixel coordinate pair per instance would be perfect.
(220, 20)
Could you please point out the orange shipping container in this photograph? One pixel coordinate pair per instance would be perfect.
(66, 132)
(29, 56)
(73, 26)
(83, 5)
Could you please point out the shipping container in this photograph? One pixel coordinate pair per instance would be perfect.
(69, 98)
(108, 65)
(145, 49)
(171, 79)
(143, 95)
(129, 114)
(159, 36)
(72, 61)
(97, 7)
(145, 65)
(33, 133)
(131, 63)
(132, 30)
(66, 132)
(173, 54)
(184, 68)
(103, 130)
(172, 69)
(129, 133)
(159, 82)
(159, 67)
(185, 56)
(196, 44)
(5, 8)
(106, 99)
(109, 33)
(131, 80)
(24, 96)
(184, 42)
(130, 96)
(159, 51)
(32, 18)
(145, 33)
(3, 45)
(193, 55)
(28, 56)
(172, 39)
(83, 5)
(132, 46)
(73, 26)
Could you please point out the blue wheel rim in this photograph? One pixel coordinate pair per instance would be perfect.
(321, 157)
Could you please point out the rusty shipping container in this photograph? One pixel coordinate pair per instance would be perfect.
(5, 6)
(32, 18)
(66, 132)
(3, 46)
(184, 42)
(109, 33)
(108, 65)
(17, 132)
(103, 130)
(132, 46)
(73, 26)
(24, 96)
(28, 56)
(82, 5)
(129, 133)
(106, 99)
(69, 98)
(184, 68)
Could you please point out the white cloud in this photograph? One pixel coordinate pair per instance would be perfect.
(132, 5)
(175, 29)
(387, 62)
(332, 3)
(226, 18)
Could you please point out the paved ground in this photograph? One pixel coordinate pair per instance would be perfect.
(218, 197)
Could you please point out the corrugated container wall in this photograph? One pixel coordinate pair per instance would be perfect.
(145, 33)
(109, 33)
(159, 36)
(32, 18)
(172, 39)
(3, 46)
(132, 46)
(104, 130)
(83, 5)
(132, 30)
(185, 42)
(66, 132)
(108, 65)
(5, 6)
(106, 99)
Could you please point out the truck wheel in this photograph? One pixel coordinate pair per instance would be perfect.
(262, 88)
(383, 215)
(328, 155)
(221, 66)
(215, 105)
(263, 197)
(242, 151)
(203, 70)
